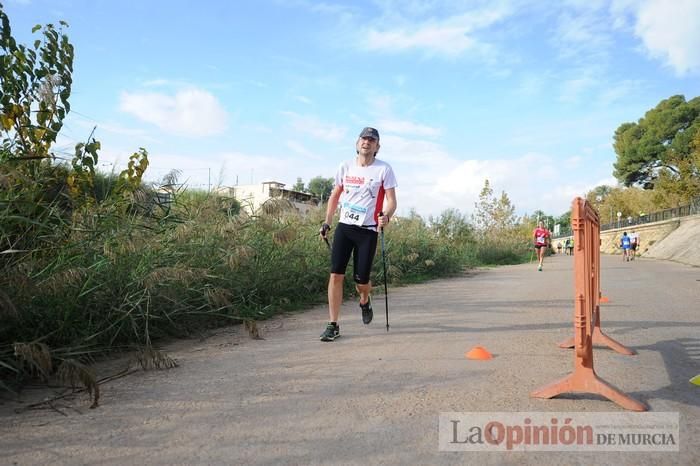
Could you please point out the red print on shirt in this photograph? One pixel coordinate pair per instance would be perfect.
(354, 180)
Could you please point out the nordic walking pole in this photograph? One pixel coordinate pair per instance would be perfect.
(325, 228)
(386, 293)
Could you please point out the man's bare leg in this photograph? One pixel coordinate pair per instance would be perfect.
(335, 296)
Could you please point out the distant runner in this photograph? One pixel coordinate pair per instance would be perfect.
(634, 238)
(541, 237)
(626, 245)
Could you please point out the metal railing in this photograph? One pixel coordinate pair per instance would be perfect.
(667, 214)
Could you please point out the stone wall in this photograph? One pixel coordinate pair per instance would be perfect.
(649, 235)
(680, 245)
(676, 239)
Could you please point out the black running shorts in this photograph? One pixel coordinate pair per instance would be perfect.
(359, 242)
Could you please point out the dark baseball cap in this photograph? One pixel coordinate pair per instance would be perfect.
(370, 133)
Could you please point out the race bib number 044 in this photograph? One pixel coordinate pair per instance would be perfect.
(353, 215)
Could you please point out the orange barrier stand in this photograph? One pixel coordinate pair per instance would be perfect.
(599, 338)
(586, 225)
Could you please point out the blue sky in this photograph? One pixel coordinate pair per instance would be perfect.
(525, 93)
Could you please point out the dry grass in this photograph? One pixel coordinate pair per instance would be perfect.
(277, 207)
(7, 309)
(173, 275)
(75, 374)
(149, 358)
(37, 357)
(240, 256)
(253, 330)
(284, 236)
(219, 298)
(411, 258)
(66, 278)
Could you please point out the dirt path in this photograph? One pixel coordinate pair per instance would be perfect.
(373, 397)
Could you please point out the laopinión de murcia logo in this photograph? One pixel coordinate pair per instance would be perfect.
(559, 432)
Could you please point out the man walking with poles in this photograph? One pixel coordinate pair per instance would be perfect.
(365, 191)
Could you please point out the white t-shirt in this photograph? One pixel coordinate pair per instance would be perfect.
(363, 191)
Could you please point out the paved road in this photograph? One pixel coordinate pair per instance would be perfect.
(374, 398)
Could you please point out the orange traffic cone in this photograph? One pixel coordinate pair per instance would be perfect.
(478, 352)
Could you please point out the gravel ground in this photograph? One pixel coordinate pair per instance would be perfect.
(373, 397)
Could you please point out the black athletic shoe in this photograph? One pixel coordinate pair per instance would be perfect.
(367, 313)
(331, 332)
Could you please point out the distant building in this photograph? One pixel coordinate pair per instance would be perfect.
(254, 196)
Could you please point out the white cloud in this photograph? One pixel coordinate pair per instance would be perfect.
(262, 129)
(438, 181)
(190, 112)
(582, 31)
(315, 127)
(672, 32)
(573, 162)
(137, 134)
(303, 99)
(413, 151)
(573, 89)
(583, 36)
(159, 82)
(407, 127)
(669, 31)
(509, 175)
(400, 80)
(521, 178)
(616, 91)
(586, 4)
(532, 84)
(300, 149)
(444, 40)
(447, 37)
